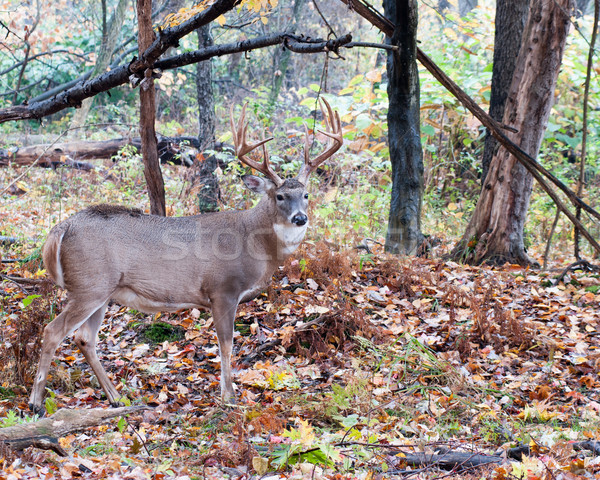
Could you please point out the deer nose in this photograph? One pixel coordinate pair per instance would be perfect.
(299, 219)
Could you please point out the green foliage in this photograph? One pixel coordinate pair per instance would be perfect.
(10, 420)
(30, 298)
(159, 332)
(303, 446)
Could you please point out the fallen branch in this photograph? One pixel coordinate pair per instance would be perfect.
(23, 281)
(5, 240)
(449, 461)
(45, 433)
(591, 445)
(578, 265)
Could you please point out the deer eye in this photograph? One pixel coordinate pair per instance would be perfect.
(306, 196)
(279, 197)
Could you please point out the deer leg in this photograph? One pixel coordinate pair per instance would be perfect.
(71, 318)
(86, 338)
(223, 311)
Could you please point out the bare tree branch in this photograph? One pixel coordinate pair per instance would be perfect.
(72, 96)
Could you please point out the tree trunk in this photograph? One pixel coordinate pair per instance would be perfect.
(154, 179)
(205, 177)
(404, 228)
(109, 41)
(510, 23)
(495, 232)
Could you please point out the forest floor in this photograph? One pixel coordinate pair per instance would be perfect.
(352, 365)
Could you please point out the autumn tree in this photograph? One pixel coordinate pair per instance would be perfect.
(495, 232)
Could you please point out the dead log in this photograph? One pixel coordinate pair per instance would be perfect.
(451, 460)
(71, 153)
(45, 432)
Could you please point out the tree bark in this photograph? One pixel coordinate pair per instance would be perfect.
(510, 23)
(495, 232)
(152, 172)
(204, 89)
(404, 228)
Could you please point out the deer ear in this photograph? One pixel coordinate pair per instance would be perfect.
(258, 184)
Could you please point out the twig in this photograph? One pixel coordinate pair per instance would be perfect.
(21, 280)
(331, 31)
(382, 46)
(549, 242)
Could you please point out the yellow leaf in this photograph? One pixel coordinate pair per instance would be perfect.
(221, 20)
(307, 433)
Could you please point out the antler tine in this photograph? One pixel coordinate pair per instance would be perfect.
(333, 131)
(242, 148)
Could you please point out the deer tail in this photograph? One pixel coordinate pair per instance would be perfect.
(51, 255)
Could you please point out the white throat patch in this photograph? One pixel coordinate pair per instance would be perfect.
(290, 235)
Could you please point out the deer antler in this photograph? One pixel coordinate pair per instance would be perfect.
(334, 132)
(242, 148)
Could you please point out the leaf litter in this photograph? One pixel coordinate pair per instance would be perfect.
(347, 367)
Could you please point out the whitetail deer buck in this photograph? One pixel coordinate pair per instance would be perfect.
(153, 263)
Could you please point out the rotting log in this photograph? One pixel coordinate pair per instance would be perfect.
(45, 432)
(169, 149)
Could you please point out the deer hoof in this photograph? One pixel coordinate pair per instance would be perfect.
(37, 409)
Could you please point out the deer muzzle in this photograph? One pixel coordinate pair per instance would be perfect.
(299, 219)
